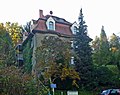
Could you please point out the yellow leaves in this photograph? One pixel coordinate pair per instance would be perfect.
(14, 31)
(1, 26)
(69, 72)
(74, 83)
(113, 49)
(50, 54)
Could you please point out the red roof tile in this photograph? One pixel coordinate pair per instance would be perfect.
(63, 29)
(41, 25)
(59, 27)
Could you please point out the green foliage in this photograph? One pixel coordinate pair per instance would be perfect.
(115, 51)
(96, 44)
(14, 31)
(106, 77)
(14, 82)
(27, 55)
(7, 53)
(106, 60)
(101, 53)
(11, 84)
(52, 62)
(83, 61)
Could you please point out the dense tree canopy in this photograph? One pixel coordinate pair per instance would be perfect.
(101, 55)
(52, 62)
(14, 31)
(83, 61)
(7, 53)
(115, 51)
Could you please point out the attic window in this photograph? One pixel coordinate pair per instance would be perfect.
(51, 25)
(75, 29)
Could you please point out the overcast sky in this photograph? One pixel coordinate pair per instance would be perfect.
(96, 12)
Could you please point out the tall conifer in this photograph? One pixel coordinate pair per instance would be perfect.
(82, 48)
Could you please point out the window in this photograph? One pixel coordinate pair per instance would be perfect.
(51, 25)
(75, 30)
(72, 60)
(72, 44)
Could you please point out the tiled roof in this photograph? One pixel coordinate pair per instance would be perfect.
(61, 25)
(57, 19)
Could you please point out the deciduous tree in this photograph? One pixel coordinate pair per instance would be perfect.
(7, 53)
(53, 60)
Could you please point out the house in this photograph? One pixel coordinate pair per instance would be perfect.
(46, 25)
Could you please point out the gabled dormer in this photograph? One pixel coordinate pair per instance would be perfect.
(74, 28)
(50, 24)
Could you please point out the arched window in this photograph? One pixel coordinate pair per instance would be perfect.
(51, 25)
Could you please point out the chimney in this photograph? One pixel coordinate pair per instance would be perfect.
(41, 14)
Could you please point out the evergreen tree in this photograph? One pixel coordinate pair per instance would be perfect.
(101, 53)
(83, 50)
(96, 51)
(104, 48)
(96, 44)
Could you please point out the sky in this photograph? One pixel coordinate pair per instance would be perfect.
(96, 12)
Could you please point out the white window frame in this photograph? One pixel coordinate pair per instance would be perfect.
(72, 60)
(72, 44)
(50, 27)
(74, 25)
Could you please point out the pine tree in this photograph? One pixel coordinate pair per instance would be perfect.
(101, 54)
(104, 48)
(83, 50)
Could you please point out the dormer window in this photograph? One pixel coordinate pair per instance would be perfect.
(51, 25)
(74, 28)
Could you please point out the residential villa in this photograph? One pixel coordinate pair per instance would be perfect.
(46, 25)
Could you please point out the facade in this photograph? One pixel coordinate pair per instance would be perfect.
(48, 25)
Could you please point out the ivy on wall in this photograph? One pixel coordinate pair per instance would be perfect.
(27, 56)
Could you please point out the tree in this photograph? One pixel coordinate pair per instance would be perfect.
(104, 48)
(27, 27)
(14, 82)
(96, 44)
(14, 31)
(53, 60)
(7, 53)
(83, 61)
(101, 53)
(115, 50)
(105, 57)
